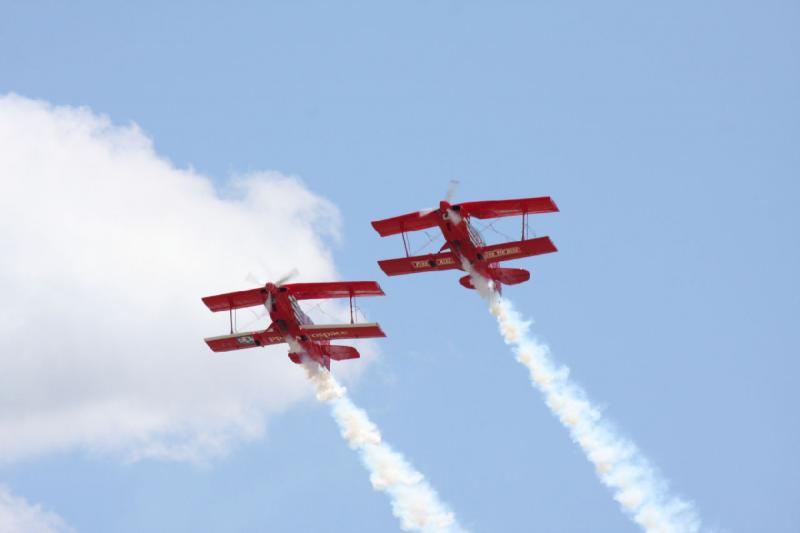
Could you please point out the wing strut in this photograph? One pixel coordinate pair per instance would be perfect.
(405, 242)
(351, 308)
(526, 227)
(524, 222)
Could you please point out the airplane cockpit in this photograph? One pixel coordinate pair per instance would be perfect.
(299, 315)
(474, 235)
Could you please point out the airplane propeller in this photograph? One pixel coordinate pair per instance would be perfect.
(283, 279)
(451, 192)
(289, 275)
(250, 278)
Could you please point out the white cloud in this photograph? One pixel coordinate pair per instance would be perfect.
(18, 516)
(105, 251)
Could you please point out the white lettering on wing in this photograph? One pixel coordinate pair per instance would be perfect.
(327, 334)
(441, 261)
(491, 254)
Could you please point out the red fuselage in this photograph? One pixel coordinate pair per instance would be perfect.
(463, 240)
(288, 317)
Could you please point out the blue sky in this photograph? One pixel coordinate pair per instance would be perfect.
(667, 133)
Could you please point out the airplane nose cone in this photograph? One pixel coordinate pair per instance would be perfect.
(444, 205)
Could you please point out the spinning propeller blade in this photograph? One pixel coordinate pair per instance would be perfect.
(292, 273)
(451, 191)
(250, 278)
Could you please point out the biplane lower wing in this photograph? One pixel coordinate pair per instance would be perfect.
(515, 250)
(247, 339)
(509, 208)
(332, 332)
(419, 263)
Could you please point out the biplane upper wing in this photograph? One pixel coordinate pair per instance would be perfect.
(330, 332)
(333, 289)
(410, 222)
(246, 339)
(515, 250)
(419, 263)
(508, 208)
(236, 300)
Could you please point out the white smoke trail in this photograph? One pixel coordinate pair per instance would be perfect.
(618, 462)
(414, 502)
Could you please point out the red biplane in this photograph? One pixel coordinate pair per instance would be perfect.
(464, 248)
(291, 325)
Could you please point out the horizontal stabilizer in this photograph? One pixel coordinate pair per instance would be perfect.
(419, 263)
(466, 281)
(509, 276)
(502, 276)
(324, 359)
(340, 353)
(331, 332)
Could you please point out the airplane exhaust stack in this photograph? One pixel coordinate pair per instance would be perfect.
(618, 462)
(414, 502)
